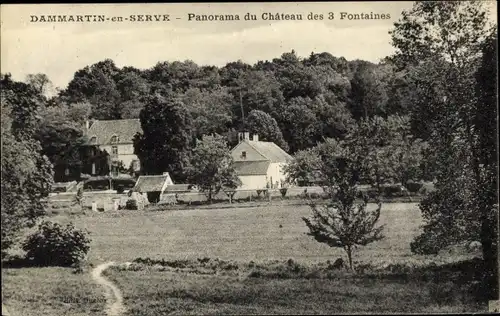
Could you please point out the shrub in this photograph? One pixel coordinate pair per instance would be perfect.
(414, 187)
(131, 204)
(283, 191)
(56, 245)
(392, 190)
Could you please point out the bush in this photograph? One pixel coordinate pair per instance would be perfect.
(392, 190)
(131, 204)
(414, 187)
(56, 245)
(283, 191)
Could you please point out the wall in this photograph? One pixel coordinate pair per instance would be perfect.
(125, 153)
(252, 154)
(276, 173)
(253, 182)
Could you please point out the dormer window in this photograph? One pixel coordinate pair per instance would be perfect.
(93, 140)
(244, 154)
(114, 139)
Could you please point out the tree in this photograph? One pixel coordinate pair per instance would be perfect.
(166, 137)
(26, 174)
(40, 82)
(368, 91)
(447, 43)
(97, 85)
(61, 135)
(333, 118)
(298, 124)
(390, 153)
(211, 166)
(303, 168)
(210, 110)
(341, 223)
(261, 123)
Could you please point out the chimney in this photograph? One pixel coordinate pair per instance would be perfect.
(247, 136)
(87, 124)
(255, 137)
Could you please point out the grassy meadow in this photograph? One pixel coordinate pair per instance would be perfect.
(250, 233)
(260, 234)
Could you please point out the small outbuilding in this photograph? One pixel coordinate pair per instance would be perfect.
(153, 186)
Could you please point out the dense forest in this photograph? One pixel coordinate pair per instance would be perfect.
(298, 101)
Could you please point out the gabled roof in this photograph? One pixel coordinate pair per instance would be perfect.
(251, 168)
(151, 183)
(270, 150)
(105, 130)
(179, 188)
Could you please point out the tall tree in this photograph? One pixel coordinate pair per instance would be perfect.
(211, 166)
(447, 38)
(40, 82)
(97, 85)
(61, 135)
(166, 138)
(368, 91)
(266, 127)
(26, 174)
(298, 123)
(210, 110)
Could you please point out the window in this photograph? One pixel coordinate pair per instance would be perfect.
(114, 139)
(244, 154)
(93, 140)
(114, 150)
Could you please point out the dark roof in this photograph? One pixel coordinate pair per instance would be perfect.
(150, 183)
(105, 130)
(270, 150)
(179, 188)
(248, 168)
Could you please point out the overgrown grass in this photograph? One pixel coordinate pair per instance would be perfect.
(50, 291)
(152, 288)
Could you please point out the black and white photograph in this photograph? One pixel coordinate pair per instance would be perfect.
(272, 158)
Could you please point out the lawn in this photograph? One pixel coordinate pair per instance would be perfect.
(251, 233)
(149, 293)
(260, 234)
(50, 291)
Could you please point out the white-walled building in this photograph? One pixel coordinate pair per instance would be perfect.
(259, 164)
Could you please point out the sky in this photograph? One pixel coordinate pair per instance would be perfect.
(59, 49)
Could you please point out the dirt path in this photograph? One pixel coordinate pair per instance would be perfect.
(114, 306)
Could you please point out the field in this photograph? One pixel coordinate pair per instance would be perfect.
(250, 233)
(260, 234)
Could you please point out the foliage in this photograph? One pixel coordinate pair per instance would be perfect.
(388, 150)
(211, 166)
(446, 49)
(261, 123)
(341, 223)
(165, 141)
(303, 168)
(131, 204)
(26, 173)
(210, 110)
(61, 134)
(57, 245)
(368, 95)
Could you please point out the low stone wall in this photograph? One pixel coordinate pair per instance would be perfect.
(104, 199)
